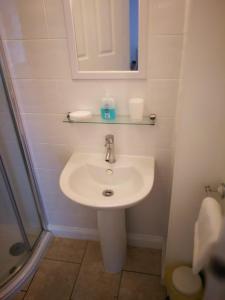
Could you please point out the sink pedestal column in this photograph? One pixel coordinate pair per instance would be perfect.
(112, 232)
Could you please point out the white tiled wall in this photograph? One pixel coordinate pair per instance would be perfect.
(36, 47)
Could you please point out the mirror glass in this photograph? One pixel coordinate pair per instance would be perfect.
(106, 34)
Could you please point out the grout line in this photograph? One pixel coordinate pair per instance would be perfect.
(29, 283)
(44, 113)
(118, 292)
(62, 260)
(166, 35)
(45, 17)
(69, 79)
(39, 78)
(143, 273)
(23, 292)
(48, 143)
(34, 38)
(78, 274)
(32, 279)
(48, 37)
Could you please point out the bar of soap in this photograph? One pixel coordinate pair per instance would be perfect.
(80, 115)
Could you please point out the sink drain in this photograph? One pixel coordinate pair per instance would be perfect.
(107, 193)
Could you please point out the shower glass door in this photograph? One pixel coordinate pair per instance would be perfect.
(20, 223)
(14, 249)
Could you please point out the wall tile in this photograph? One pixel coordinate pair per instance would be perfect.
(162, 97)
(18, 59)
(50, 156)
(55, 18)
(48, 128)
(22, 19)
(164, 164)
(143, 139)
(38, 58)
(65, 212)
(58, 202)
(166, 16)
(83, 220)
(60, 96)
(60, 209)
(153, 210)
(48, 181)
(165, 56)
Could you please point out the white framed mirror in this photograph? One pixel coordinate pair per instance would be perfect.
(107, 39)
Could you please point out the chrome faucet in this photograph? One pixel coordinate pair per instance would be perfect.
(110, 153)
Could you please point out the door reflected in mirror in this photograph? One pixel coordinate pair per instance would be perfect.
(106, 34)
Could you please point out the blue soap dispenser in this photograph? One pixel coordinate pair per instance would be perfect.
(108, 108)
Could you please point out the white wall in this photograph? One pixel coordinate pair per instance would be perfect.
(36, 46)
(200, 142)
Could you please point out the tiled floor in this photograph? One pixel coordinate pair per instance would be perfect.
(73, 270)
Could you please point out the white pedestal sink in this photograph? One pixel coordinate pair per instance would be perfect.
(110, 188)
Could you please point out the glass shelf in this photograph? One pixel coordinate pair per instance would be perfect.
(96, 119)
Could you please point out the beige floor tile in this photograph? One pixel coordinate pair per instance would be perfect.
(143, 260)
(19, 296)
(53, 281)
(67, 250)
(93, 282)
(136, 286)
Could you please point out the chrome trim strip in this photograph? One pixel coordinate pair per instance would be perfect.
(28, 269)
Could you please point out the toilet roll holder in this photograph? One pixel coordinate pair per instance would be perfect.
(220, 190)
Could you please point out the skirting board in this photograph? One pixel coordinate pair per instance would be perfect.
(137, 240)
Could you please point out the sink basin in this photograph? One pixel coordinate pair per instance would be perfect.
(86, 177)
(110, 188)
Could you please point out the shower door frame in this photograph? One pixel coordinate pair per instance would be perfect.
(14, 205)
(25, 271)
(19, 131)
(16, 214)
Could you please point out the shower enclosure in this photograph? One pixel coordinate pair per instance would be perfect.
(23, 234)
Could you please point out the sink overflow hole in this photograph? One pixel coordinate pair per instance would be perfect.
(109, 171)
(107, 193)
